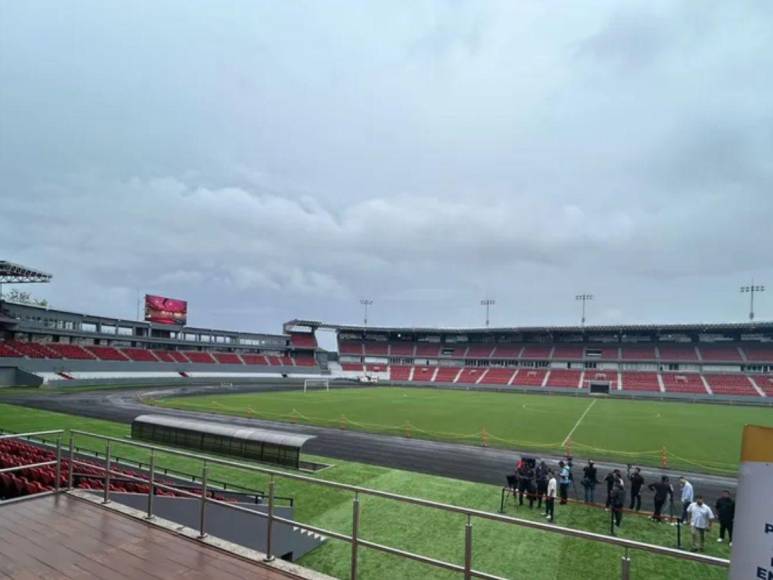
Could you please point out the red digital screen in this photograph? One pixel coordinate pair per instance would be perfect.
(165, 310)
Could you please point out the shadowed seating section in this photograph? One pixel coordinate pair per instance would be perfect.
(762, 353)
(376, 348)
(539, 352)
(301, 340)
(423, 374)
(399, 372)
(568, 352)
(677, 352)
(638, 352)
(401, 349)
(720, 353)
(479, 350)
(447, 374)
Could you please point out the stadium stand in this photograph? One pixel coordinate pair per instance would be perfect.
(470, 376)
(447, 374)
(399, 372)
(401, 349)
(300, 340)
(499, 376)
(479, 351)
(677, 352)
(765, 384)
(106, 353)
(638, 352)
(720, 353)
(568, 352)
(423, 374)
(689, 383)
(530, 377)
(564, 378)
(758, 353)
(640, 381)
(140, 355)
(507, 351)
(199, 357)
(227, 358)
(71, 351)
(376, 348)
(428, 350)
(731, 384)
(539, 352)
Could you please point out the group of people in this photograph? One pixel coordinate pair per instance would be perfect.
(536, 481)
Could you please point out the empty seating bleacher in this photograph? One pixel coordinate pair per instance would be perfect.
(140, 355)
(677, 352)
(601, 376)
(71, 351)
(720, 353)
(731, 384)
(350, 347)
(376, 348)
(106, 353)
(199, 357)
(688, 383)
(399, 372)
(640, 381)
(564, 378)
(427, 350)
(33, 349)
(446, 374)
(304, 360)
(401, 348)
(498, 376)
(568, 352)
(479, 350)
(761, 353)
(507, 351)
(254, 359)
(538, 351)
(470, 375)
(642, 352)
(765, 383)
(423, 374)
(352, 367)
(303, 340)
(228, 358)
(530, 377)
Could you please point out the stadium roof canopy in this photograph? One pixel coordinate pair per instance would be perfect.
(615, 328)
(11, 273)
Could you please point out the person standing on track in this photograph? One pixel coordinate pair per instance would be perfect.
(725, 507)
(637, 481)
(550, 497)
(542, 482)
(687, 496)
(663, 490)
(700, 521)
(564, 479)
(589, 481)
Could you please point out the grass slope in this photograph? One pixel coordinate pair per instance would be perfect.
(625, 430)
(508, 551)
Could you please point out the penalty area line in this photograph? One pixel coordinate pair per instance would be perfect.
(588, 408)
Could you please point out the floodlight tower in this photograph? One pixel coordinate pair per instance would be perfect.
(365, 303)
(751, 289)
(488, 303)
(583, 298)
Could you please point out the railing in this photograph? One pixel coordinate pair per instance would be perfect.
(354, 539)
(56, 462)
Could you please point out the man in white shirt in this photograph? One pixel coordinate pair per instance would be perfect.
(700, 522)
(550, 498)
(687, 497)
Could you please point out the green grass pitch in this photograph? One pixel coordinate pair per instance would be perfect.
(700, 437)
(508, 551)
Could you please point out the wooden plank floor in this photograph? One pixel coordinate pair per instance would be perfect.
(63, 537)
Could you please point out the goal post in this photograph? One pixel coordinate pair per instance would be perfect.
(316, 384)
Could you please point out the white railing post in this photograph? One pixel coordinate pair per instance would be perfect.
(151, 483)
(107, 474)
(58, 474)
(270, 523)
(202, 513)
(355, 533)
(468, 549)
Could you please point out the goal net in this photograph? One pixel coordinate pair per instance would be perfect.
(316, 384)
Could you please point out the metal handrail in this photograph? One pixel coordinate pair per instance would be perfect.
(469, 513)
(33, 434)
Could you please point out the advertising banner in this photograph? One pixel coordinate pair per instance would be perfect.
(751, 556)
(165, 310)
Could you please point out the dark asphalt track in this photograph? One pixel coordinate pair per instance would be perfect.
(467, 462)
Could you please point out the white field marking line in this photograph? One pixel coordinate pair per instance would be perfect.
(588, 408)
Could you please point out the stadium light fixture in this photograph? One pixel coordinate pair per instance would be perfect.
(751, 290)
(365, 303)
(583, 298)
(488, 303)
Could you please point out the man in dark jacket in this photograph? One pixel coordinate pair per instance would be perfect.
(725, 513)
(663, 491)
(616, 502)
(589, 481)
(637, 481)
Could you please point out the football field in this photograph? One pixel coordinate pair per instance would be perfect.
(699, 437)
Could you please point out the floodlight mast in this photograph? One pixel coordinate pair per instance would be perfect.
(751, 289)
(488, 303)
(365, 303)
(583, 298)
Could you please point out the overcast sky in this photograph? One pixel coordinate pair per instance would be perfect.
(273, 160)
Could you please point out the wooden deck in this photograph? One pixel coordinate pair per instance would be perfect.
(63, 537)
